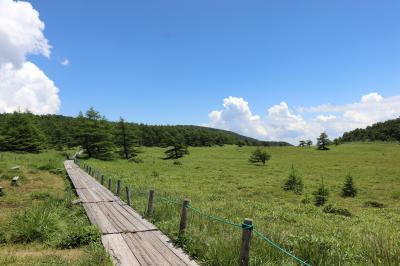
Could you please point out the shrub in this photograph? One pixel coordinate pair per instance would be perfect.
(294, 182)
(374, 204)
(177, 163)
(338, 211)
(349, 189)
(78, 236)
(38, 223)
(321, 194)
(95, 255)
(259, 156)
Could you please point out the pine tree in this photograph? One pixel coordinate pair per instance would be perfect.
(321, 194)
(323, 142)
(294, 182)
(126, 140)
(349, 189)
(19, 133)
(259, 156)
(94, 134)
(178, 148)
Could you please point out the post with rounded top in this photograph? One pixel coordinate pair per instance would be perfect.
(246, 238)
(150, 203)
(128, 195)
(102, 179)
(109, 184)
(118, 188)
(184, 216)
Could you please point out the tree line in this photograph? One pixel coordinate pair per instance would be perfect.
(100, 138)
(382, 131)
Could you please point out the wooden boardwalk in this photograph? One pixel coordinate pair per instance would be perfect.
(128, 238)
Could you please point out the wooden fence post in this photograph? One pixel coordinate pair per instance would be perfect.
(150, 203)
(118, 188)
(245, 245)
(184, 216)
(109, 184)
(102, 179)
(128, 195)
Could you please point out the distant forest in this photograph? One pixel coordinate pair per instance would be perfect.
(29, 132)
(382, 131)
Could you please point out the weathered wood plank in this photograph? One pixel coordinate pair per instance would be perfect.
(119, 250)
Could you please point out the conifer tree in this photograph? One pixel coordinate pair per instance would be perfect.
(349, 189)
(178, 148)
(294, 182)
(19, 133)
(259, 156)
(321, 194)
(126, 140)
(323, 142)
(94, 135)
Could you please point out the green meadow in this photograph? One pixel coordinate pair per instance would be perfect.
(39, 225)
(221, 182)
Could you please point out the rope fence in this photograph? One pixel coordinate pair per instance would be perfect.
(247, 227)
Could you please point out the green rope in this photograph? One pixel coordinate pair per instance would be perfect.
(272, 243)
(214, 218)
(247, 226)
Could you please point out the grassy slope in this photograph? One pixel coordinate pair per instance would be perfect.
(36, 185)
(220, 181)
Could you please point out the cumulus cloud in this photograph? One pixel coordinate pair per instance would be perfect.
(22, 84)
(283, 123)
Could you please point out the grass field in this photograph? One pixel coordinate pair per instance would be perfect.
(220, 181)
(38, 223)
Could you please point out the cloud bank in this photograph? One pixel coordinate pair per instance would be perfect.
(23, 86)
(284, 123)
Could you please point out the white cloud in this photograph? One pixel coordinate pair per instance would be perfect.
(65, 62)
(22, 84)
(283, 123)
(27, 88)
(236, 116)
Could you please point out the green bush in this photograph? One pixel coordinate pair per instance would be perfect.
(38, 223)
(177, 163)
(294, 182)
(374, 204)
(79, 236)
(95, 256)
(338, 211)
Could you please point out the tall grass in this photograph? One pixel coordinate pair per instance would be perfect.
(221, 182)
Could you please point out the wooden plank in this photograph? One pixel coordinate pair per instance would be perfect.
(119, 250)
(112, 217)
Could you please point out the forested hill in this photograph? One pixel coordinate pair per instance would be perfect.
(382, 131)
(63, 131)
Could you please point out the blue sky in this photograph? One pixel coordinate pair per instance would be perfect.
(173, 62)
